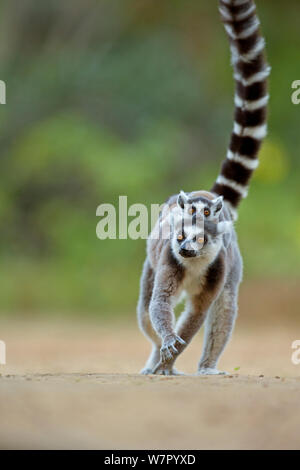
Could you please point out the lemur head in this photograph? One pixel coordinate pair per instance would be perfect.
(196, 225)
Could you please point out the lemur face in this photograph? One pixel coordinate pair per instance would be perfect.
(196, 225)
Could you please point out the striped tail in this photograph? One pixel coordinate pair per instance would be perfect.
(251, 98)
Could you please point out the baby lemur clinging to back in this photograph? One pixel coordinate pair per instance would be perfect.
(204, 262)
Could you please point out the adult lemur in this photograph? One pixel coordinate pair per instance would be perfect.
(207, 266)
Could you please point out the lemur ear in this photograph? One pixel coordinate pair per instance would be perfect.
(182, 199)
(217, 205)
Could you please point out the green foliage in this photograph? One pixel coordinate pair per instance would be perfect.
(124, 98)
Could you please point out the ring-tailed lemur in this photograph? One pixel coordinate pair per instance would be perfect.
(208, 268)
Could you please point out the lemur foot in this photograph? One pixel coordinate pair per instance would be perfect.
(210, 371)
(168, 349)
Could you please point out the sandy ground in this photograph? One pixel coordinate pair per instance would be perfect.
(71, 384)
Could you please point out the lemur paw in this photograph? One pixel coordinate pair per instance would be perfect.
(168, 349)
(210, 371)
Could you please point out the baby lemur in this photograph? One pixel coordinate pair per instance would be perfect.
(202, 260)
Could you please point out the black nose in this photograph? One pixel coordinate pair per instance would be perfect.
(187, 253)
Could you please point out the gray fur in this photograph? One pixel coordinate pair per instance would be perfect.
(209, 280)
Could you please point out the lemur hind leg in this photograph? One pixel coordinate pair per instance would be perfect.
(146, 289)
(218, 328)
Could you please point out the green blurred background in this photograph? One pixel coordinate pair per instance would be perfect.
(129, 97)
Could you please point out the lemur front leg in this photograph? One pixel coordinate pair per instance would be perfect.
(218, 328)
(166, 285)
(188, 324)
(196, 310)
(146, 288)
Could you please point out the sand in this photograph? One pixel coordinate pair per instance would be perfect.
(75, 385)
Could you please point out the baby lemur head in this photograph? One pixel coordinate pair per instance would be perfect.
(196, 227)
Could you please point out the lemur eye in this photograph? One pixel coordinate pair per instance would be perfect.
(180, 238)
(200, 240)
(206, 212)
(192, 210)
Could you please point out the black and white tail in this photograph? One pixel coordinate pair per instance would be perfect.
(251, 98)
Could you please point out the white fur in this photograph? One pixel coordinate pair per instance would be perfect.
(250, 164)
(257, 132)
(244, 34)
(251, 105)
(243, 190)
(256, 77)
